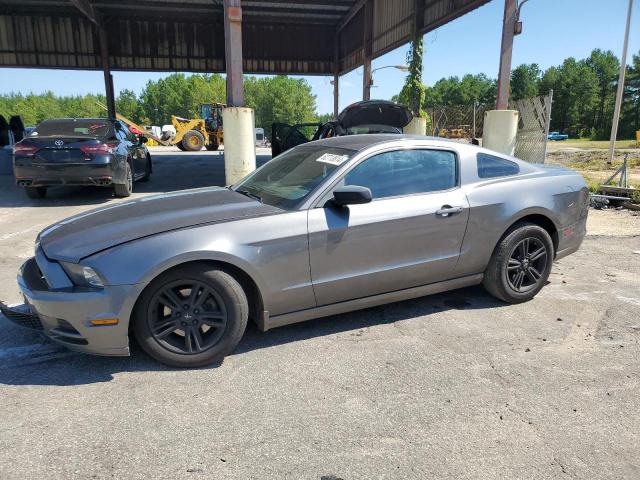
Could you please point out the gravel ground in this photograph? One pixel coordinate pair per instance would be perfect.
(455, 385)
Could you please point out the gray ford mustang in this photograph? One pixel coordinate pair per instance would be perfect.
(327, 227)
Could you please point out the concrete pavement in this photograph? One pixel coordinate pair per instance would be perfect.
(455, 385)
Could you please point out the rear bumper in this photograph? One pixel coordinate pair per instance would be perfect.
(65, 314)
(29, 173)
(570, 238)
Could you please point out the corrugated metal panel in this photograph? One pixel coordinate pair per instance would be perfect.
(392, 23)
(294, 37)
(58, 42)
(350, 41)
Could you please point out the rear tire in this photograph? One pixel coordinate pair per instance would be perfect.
(212, 147)
(520, 264)
(191, 316)
(124, 190)
(180, 147)
(193, 141)
(35, 192)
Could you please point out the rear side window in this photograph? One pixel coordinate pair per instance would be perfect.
(491, 167)
(405, 172)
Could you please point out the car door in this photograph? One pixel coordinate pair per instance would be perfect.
(285, 137)
(410, 234)
(134, 149)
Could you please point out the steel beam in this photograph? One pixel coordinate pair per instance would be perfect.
(106, 68)
(87, 10)
(336, 76)
(367, 44)
(233, 52)
(504, 76)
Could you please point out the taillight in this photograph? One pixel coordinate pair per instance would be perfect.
(25, 150)
(97, 148)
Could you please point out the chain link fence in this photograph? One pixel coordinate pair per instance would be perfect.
(465, 122)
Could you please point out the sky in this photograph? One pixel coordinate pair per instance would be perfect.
(552, 31)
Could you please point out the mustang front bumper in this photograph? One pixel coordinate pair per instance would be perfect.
(65, 313)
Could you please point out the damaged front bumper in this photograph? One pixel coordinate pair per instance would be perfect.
(65, 313)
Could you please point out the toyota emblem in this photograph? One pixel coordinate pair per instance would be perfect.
(59, 143)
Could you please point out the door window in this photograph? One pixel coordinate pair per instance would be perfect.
(405, 172)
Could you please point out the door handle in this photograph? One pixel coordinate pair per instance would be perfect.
(447, 210)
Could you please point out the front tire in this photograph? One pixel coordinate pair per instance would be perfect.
(35, 192)
(520, 264)
(193, 141)
(191, 316)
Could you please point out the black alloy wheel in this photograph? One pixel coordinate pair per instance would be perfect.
(527, 264)
(191, 316)
(187, 317)
(520, 263)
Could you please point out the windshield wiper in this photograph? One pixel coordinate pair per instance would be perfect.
(246, 193)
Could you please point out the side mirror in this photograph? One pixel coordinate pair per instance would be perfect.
(351, 195)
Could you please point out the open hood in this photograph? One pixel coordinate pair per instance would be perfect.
(375, 112)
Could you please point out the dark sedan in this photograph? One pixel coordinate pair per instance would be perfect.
(81, 151)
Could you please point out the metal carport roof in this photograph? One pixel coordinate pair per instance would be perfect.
(311, 37)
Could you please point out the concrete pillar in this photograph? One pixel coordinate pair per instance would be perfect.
(239, 122)
(233, 52)
(239, 143)
(108, 78)
(500, 130)
(417, 126)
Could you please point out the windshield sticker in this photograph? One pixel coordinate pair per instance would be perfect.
(332, 158)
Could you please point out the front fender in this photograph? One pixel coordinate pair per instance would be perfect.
(272, 250)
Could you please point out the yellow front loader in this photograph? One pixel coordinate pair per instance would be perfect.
(206, 131)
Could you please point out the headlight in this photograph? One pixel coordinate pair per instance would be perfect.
(82, 275)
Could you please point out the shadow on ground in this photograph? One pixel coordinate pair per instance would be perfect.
(170, 173)
(50, 364)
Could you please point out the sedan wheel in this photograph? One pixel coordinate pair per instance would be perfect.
(520, 264)
(124, 189)
(191, 316)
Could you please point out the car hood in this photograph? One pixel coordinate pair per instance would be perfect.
(90, 232)
(375, 112)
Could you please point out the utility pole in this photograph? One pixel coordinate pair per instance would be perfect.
(620, 92)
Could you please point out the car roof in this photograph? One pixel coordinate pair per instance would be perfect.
(361, 142)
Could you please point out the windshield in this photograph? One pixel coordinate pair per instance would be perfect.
(72, 128)
(287, 180)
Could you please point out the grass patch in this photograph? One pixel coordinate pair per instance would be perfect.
(596, 144)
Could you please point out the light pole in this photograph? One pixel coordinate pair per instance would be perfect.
(402, 68)
(620, 92)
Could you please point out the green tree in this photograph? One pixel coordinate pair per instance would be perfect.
(413, 93)
(127, 104)
(524, 81)
(575, 95)
(606, 67)
(630, 120)
(280, 99)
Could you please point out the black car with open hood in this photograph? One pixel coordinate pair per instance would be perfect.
(369, 116)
